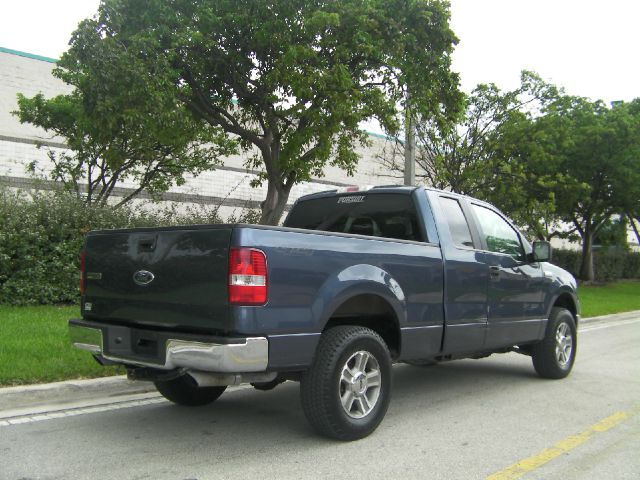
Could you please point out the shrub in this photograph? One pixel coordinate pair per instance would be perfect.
(567, 259)
(609, 264)
(42, 233)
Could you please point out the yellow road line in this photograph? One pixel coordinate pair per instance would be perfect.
(527, 465)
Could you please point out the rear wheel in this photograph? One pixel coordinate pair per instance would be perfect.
(185, 391)
(553, 357)
(346, 392)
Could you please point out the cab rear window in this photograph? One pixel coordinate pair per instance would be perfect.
(380, 215)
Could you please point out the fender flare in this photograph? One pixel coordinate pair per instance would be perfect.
(564, 291)
(361, 279)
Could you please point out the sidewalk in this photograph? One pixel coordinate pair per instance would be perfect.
(110, 388)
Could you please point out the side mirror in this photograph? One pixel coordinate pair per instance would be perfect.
(541, 252)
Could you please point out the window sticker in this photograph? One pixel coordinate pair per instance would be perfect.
(351, 199)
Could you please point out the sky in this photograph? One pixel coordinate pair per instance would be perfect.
(585, 46)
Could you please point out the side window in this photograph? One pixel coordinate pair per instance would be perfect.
(498, 234)
(458, 225)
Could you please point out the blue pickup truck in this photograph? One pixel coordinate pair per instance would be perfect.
(353, 282)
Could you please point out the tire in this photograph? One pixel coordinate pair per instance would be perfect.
(554, 356)
(346, 392)
(185, 391)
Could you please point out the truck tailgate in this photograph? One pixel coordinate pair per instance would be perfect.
(171, 278)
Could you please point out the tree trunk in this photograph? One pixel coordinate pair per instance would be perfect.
(278, 186)
(273, 206)
(586, 268)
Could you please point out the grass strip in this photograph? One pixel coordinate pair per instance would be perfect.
(35, 347)
(617, 297)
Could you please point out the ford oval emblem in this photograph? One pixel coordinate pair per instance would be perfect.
(143, 277)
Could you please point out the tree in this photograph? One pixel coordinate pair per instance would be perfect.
(463, 159)
(479, 155)
(559, 165)
(291, 80)
(595, 149)
(151, 155)
(633, 202)
(527, 172)
(119, 126)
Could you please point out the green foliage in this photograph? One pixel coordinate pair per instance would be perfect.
(41, 236)
(592, 154)
(613, 233)
(463, 159)
(558, 165)
(477, 157)
(36, 347)
(292, 80)
(609, 264)
(611, 298)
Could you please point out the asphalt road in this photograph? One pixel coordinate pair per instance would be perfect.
(460, 420)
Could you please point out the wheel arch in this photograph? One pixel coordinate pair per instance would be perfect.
(372, 311)
(364, 295)
(567, 300)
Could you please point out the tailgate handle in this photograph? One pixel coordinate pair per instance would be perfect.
(147, 244)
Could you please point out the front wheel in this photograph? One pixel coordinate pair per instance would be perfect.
(185, 391)
(553, 357)
(346, 392)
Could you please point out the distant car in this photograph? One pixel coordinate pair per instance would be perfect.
(352, 282)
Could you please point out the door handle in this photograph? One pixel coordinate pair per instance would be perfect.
(494, 272)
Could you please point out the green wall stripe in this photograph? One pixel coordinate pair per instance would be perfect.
(28, 55)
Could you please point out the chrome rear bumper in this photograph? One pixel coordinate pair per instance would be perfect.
(250, 355)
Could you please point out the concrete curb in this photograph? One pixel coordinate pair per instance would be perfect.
(70, 391)
(614, 316)
(110, 388)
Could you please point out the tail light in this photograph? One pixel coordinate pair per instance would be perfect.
(247, 276)
(83, 276)
(354, 188)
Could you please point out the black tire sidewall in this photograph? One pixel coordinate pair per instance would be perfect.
(543, 353)
(368, 423)
(568, 319)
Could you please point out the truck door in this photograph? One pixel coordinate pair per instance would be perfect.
(515, 307)
(466, 274)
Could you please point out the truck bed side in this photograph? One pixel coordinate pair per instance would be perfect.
(318, 277)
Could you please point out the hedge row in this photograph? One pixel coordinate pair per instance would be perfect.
(41, 235)
(609, 265)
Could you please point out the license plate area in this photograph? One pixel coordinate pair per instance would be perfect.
(123, 342)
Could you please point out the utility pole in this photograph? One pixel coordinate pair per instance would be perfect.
(409, 145)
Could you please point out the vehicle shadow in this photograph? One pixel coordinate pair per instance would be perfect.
(249, 420)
